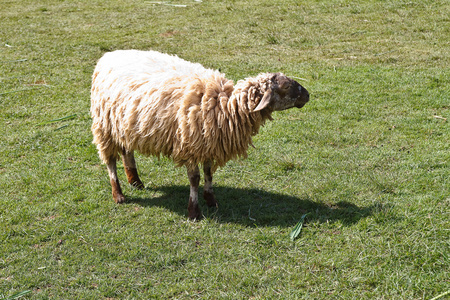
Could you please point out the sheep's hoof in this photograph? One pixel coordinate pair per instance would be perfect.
(133, 178)
(138, 185)
(195, 216)
(210, 199)
(119, 198)
(194, 212)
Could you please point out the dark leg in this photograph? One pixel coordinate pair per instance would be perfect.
(194, 179)
(115, 185)
(129, 165)
(208, 192)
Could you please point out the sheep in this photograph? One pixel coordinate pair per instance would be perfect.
(160, 104)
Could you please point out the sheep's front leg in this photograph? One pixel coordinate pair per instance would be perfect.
(115, 185)
(194, 179)
(208, 192)
(129, 165)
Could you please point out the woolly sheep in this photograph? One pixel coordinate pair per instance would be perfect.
(159, 104)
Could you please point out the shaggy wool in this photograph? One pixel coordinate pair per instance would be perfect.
(160, 104)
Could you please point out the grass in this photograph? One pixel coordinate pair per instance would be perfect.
(367, 158)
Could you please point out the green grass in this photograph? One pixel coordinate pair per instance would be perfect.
(367, 158)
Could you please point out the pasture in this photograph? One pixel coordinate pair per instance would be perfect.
(368, 157)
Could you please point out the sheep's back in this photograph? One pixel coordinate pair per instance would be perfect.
(151, 102)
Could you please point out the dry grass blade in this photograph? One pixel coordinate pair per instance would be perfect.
(441, 118)
(168, 4)
(441, 295)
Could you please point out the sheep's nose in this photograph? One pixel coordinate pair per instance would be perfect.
(304, 97)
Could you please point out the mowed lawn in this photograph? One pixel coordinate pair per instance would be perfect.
(367, 157)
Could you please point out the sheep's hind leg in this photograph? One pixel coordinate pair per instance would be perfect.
(129, 165)
(115, 185)
(194, 179)
(208, 192)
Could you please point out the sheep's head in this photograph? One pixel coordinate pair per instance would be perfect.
(281, 92)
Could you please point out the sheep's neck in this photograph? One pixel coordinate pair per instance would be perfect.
(242, 101)
(237, 124)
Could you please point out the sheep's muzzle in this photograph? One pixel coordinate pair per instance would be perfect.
(303, 98)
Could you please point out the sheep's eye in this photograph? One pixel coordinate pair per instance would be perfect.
(284, 85)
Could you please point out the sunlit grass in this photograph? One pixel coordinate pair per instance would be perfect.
(367, 159)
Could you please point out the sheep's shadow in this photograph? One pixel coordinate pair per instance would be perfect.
(254, 206)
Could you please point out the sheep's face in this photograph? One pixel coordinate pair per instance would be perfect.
(282, 92)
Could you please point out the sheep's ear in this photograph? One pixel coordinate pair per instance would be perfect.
(265, 101)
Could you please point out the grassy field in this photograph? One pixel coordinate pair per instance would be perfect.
(367, 157)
